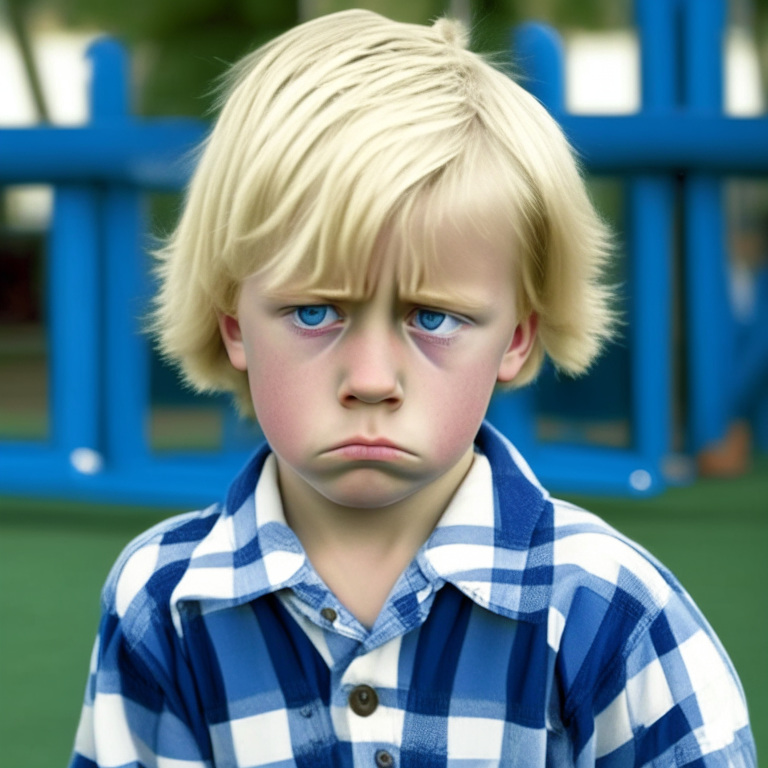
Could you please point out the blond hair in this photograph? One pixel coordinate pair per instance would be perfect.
(346, 125)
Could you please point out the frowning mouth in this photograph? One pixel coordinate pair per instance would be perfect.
(379, 449)
(370, 452)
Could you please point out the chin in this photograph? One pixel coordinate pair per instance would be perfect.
(367, 492)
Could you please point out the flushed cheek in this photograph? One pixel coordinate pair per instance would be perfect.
(284, 401)
(454, 412)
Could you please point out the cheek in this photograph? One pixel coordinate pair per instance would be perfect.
(282, 400)
(456, 406)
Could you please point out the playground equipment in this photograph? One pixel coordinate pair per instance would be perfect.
(100, 394)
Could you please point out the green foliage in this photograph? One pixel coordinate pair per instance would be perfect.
(413, 11)
(184, 69)
(185, 44)
(164, 19)
(492, 21)
(182, 46)
(591, 14)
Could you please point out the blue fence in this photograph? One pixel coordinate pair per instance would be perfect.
(98, 446)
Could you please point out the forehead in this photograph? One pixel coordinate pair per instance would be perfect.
(463, 264)
(459, 255)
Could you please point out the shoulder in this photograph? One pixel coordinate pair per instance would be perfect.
(607, 593)
(145, 574)
(614, 607)
(589, 553)
(633, 650)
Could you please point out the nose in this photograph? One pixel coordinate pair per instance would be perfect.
(372, 372)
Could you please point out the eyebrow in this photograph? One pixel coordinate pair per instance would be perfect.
(460, 303)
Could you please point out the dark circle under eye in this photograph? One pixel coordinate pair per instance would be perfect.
(312, 315)
(429, 319)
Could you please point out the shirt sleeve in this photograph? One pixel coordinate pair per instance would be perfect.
(132, 717)
(679, 701)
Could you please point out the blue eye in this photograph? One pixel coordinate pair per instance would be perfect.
(315, 316)
(429, 320)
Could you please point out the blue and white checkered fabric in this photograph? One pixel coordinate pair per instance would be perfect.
(525, 633)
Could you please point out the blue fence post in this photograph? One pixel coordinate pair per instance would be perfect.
(74, 328)
(658, 26)
(538, 50)
(126, 375)
(650, 243)
(708, 312)
(126, 353)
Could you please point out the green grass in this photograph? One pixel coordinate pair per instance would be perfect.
(54, 557)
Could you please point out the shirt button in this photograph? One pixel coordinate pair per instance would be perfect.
(384, 759)
(328, 614)
(363, 700)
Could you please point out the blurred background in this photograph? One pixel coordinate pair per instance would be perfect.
(699, 503)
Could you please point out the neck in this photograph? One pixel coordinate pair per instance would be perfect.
(361, 552)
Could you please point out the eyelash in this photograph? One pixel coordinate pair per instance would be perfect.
(443, 339)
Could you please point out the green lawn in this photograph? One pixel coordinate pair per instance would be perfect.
(54, 556)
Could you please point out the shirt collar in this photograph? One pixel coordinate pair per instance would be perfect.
(493, 542)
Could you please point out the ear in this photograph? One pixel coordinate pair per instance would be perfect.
(519, 348)
(232, 337)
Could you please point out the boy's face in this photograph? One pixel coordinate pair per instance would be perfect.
(323, 373)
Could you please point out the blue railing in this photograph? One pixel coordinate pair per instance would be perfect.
(100, 393)
(680, 130)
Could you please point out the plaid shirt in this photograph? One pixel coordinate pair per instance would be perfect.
(526, 632)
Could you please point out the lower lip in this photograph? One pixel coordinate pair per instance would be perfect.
(370, 452)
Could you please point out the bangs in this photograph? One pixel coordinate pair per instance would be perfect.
(392, 206)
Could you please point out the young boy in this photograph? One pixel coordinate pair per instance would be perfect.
(381, 228)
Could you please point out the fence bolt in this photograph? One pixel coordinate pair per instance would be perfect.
(86, 461)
